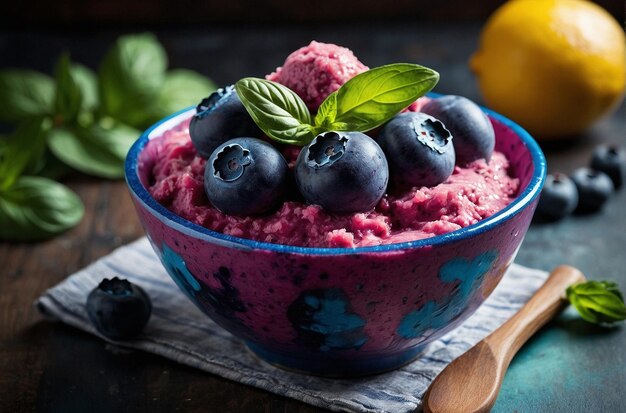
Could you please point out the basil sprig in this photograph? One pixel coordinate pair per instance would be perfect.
(598, 302)
(83, 121)
(363, 103)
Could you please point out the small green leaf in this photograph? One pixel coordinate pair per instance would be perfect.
(87, 82)
(597, 301)
(373, 97)
(277, 110)
(613, 288)
(131, 75)
(23, 148)
(326, 113)
(95, 150)
(182, 88)
(25, 93)
(37, 208)
(69, 97)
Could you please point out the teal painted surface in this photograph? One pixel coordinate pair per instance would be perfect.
(560, 368)
(571, 366)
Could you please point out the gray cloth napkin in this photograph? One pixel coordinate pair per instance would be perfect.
(179, 331)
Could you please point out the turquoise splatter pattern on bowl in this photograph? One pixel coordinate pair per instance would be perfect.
(334, 311)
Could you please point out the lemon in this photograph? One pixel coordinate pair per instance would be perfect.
(553, 66)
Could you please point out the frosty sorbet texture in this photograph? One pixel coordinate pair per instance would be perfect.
(317, 70)
(469, 195)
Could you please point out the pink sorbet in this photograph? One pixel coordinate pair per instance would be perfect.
(469, 195)
(317, 70)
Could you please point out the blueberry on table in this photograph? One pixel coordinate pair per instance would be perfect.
(474, 137)
(419, 150)
(612, 161)
(558, 198)
(594, 189)
(118, 308)
(245, 176)
(219, 118)
(343, 172)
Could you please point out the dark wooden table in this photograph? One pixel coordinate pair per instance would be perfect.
(569, 366)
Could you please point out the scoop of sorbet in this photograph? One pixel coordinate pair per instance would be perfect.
(317, 70)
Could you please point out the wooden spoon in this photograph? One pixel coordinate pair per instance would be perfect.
(471, 382)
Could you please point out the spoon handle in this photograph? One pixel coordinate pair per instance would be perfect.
(547, 302)
(472, 381)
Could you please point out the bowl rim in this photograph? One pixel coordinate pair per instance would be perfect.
(532, 191)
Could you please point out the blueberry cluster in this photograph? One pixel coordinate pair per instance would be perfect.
(342, 171)
(587, 189)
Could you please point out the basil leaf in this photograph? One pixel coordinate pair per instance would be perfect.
(23, 148)
(182, 88)
(373, 97)
(37, 208)
(326, 113)
(277, 110)
(131, 75)
(69, 97)
(25, 93)
(95, 150)
(87, 82)
(597, 301)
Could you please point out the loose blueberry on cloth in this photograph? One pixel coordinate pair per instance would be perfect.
(179, 331)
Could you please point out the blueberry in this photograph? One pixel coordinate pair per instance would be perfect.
(594, 189)
(559, 197)
(419, 150)
(118, 308)
(343, 172)
(220, 117)
(245, 176)
(612, 161)
(474, 137)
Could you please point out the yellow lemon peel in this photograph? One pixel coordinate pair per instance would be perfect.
(554, 66)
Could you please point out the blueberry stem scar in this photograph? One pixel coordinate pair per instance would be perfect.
(326, 149)
(230, 162)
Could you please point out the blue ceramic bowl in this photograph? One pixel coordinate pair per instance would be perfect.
(338, 311)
